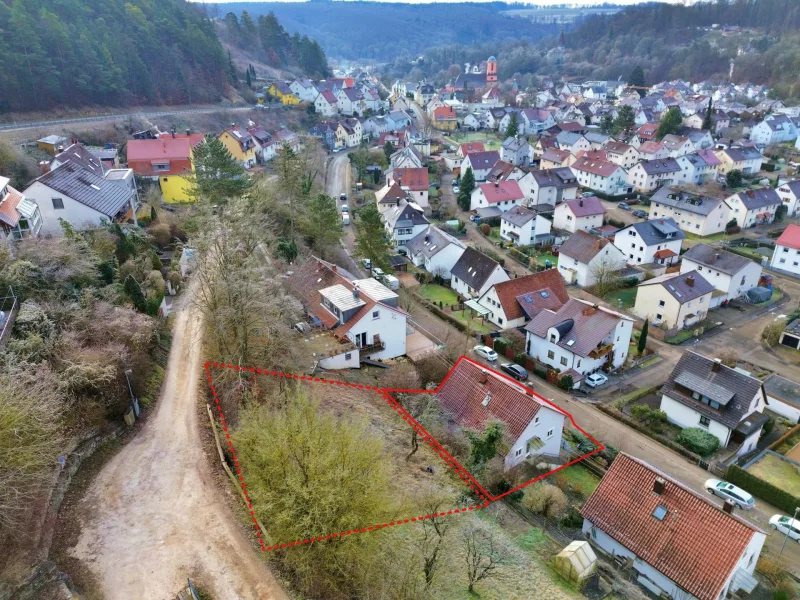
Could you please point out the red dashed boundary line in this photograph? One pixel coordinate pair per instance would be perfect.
(463, 474)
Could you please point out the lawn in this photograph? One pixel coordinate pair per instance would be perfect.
(541, 257)
(716, 237)
(626, 295)
(494, 234)
(780, 473)
(750, 253)
(777, 294)
(438, 293)
(474, 320)
(580, 479)
(788, 443)
(491, 142)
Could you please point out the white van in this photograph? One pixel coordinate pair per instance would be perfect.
(391, 282)
(346, 218)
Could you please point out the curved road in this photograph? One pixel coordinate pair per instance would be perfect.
(154, 514)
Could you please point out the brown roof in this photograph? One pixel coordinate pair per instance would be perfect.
(555, 155)
(583, 246)
(468, 147)
(615, 147)
(530, 285)
(696, 544)
(414, 179)
(8, 207)
(602, 168)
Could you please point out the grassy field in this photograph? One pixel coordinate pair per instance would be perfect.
(580, 479)
(627, 295)
(778, 472)
(788, 443)
(717, 237)
(474, 320)
(750, 253)
(438, 293)
(541, 257)
(490, 141)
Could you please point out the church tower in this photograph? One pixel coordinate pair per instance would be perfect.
(491, 72)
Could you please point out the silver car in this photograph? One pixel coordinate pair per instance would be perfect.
(728, 491)
(486, 353)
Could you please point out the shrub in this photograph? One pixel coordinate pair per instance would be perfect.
(772, 333)
(640, 412)
(486, 229)
(630, 282)
(545, 499)
(161, 234)
(566, 382)
(499, 345)
(572, 519)
(698, 440)
(616, 223)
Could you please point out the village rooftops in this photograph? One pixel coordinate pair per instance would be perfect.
(474, 268)
(783, 389)
(560, 178)
(760, 198)
(430, 242)
(483, 160)
(743, 153)
(684, 287)
(415, 179)
(404, 216)
(676, 197)
(585, 207)
(531, 294)
(501, 191)
(657, 231)
(660, 166)
(472, 147)
(519, 215)
(555, 155)
(617, 148)
(583, 246)
(716, 258)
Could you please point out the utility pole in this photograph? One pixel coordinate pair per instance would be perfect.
(788, 527)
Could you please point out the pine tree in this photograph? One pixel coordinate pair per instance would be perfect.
(388, 150)
(134, 292)
(625, 120)
(322, 224)
(232, 77)
(466, 189)
(637, 79)
(249, 81)
(643, 337)
(217, 176)
(708, 121)
(671, 122)
(513, 125)
(372, 241)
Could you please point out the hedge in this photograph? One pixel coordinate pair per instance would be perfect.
(763, 489)
(442, 315)
(500, 345)
(768, 167)
(616, 223)
(698, 440)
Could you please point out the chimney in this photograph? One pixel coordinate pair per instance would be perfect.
(496, 183)
(188, 131)
(484, 378)
(590, 310)
(659, 485)
(580, 202)
(173, 132)
(715, 365)
(335, 269)
(716, 256)
(44, 166)
(355, 292)
(728, 507)
(690, 281)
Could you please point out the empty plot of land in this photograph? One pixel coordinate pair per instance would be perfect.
(784, 474)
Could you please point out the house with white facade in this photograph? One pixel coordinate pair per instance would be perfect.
(403, 223)
(579, 338)
(524, 227)
(573, 142)
(731, 275)
(472, 395)
(786, 256)
(305, 89)
(349, 133)
(406, 158)
(790, 196)
(549, 186)
(501, 194)
(702, 392)
(651, 174)
(553, 158)
(579, 214)
(674, 301)
(699, 167)
(474, 273)
(783, 397)
(619, 153)
(638, 514)
(694, 213)
(413, 181)
(656, 241)
(774, 129)
(350, 101)
(652, 150)
(435, 250)
(514, 302)
(754, 207)
(601, 176)
(325, 104)
(746, 159)
(585, 257)
(480, 163)
(536, 120)
(19, 217)
(516, 151)
(677, 145)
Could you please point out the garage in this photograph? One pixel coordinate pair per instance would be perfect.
(791, 335)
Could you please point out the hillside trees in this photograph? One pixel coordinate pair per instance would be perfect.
(372, 241)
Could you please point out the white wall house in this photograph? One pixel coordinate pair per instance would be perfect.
(585, 256)
(602, 176)
(624, 155)
(783, 397)
(524, 227)
(435, 251)
(514, 302)
(325, 104)
(731, 275)
(474, 273)
(786, 256)
(674, 300)
(652, 174)
(403, 223)
(774, 129)
(549, 186)
(741, 158)
(501, 194)
(579, 214)
(790, 196)
(694, 213)
(754, 207)
(646, 242)
(480, 163)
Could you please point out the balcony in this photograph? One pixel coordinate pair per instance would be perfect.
(601, 350)
(376, 346)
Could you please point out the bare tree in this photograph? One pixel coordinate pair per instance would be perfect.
(604, 273)
(484, 552)
(729, 356)
(434, 531)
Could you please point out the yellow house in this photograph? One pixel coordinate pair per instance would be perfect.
(280, 90)
(444, 118)
(240, 144)
(169, 160)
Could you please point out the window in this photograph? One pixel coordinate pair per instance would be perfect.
(58, 203)
(553, 337)
(743, 278)
(564, 360)
(376, 314)
(518, 452)
(658, 316)
(348, 356)
(536, 420)
(549, 433)
(500, 320)
(551, 354)
(704, 422)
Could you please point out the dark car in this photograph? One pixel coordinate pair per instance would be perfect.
(639, 213)
(515, 371)
(475, 218)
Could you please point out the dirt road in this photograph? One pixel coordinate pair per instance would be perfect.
(154, 515)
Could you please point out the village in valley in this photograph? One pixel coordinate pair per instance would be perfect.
(509, 341)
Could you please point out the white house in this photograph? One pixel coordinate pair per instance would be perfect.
(536, 120)
(403, 223)
(480, 163)
(675, 300)
(473, 395)
(774, 129)
(790, 196)
(79, 189)
(585, 257)
(754, 207)
(741, 158)
(637, 514)
(325, 103)
(524, 227)
(783, 397)
(701, 392)
(506, 121)
(579, 214)
(474, 273)
(677, 145)
(601, 175)
(786, 256)
(573, 142)
(413, 181)
(516, 151)
(694, 213)
(350, 101)
(651, 174)
(549, 186)
(579, 338)
(501, 194)
(619, 153)
(435, 250)
(514, 302)
(652, 150)
(699, 167)
(304, 89)
(646, 242)
(19, 217)
(732, 275)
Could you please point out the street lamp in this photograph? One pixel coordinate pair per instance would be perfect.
(786, 535)
(134, 403)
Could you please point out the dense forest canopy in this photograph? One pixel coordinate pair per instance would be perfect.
(113, 52)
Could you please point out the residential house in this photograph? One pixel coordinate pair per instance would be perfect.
(702, 392)
(783, 397)
(694, 213)
(390, 196)
(676, 542)
(423, 93)
(746, 159)
(786, 256)
(363, 315)
(657, 241)
(677, 145)
(52, 144)
(579, 214)
(472, 395)
(731, 274)
(406, 158)
(480, 163)
(501, 194)
(579, 338)
(549, 186)
(326, 103)
(444, 118)
(517, 151)
(404, 222)
(349, 133)
(543, 144)
(280, 90)
(774, 129)
(304, 89)
(513, 303)
(413, 181)
(266, 148)
(79, 189)
(469, 148)
(324, 131)
(167, 160)
(624, 155)
(584, 258)
(435, 250)
(573, 142)
(240, 144)
(700, 166)
(646, 133)
(790, 196)
(505, 121)
(471, 122)
(790, 337)
(601, 176)
(553, 158)
(19, 216)
(350, 101)
(700, 138)
(536, 120)
(502, 171)
(652, 150)
(649, 175)
(398, 119)
(474, 273)
(286, 137)
(754, 207)
(524, 227)
(674, 301)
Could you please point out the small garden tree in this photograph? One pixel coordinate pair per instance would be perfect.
(642, 345)
(734, 178)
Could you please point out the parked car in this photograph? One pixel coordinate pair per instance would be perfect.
(486, 353)
(342, 197)
(787, 526)
(596, 380)
(728, 491)
(517, 372)
(377, 273)
(639, 213)
(456, 189)
(391, 282)
(345, 208)
(475, 218)
(587, 194)
(345, 218)
(367, 263)
(624, 206)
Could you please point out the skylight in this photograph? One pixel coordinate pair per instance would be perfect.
(543, 294)
(660, 512)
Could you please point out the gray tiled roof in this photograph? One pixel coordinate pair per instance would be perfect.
(583, 246)
(693, 203)
(716, 258)
(561, 177)
(518, 215)
(743, 153)
(783, 389)
(657, 231)
(474, 268)
(660, 165)
(404, 216)
(761, 198)
(699, 369)
(684, 287)
(437, 240)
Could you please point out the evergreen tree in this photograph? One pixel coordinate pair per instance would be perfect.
(134, 292)
(372, 241)
(513, 125)
(671, 122)
(466, 189)
(249, 81)
(637, 79)
(643, 337)
(322, 225)
(232, 77)
(734, 178)
(388, 150)
(708, 121)
(625, 120)
(607, 124)
(217, 176)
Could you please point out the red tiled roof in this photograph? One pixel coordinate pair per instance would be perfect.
(444, 113)
(571, 126)
(664, 253)
(501, 191)
(194, 138)
(650, 147)
(790, 237)
(647, 131)
(8, 207)
(162, 148)
(551, 280)
(462, 394)
(415, 180)
(592, 154)
(697, 545)
(602, 168)
(329, 96)
(555, 155)
(584, 207)
(472, 147)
